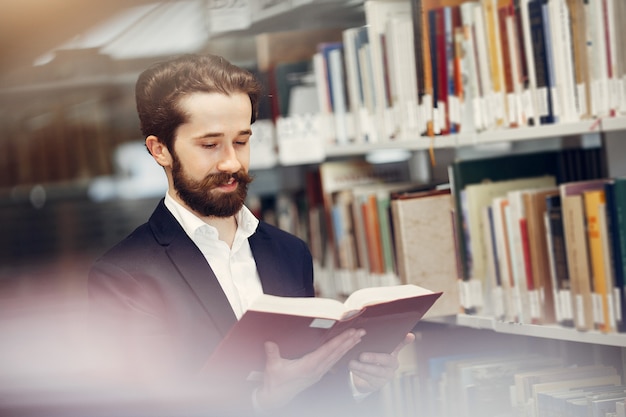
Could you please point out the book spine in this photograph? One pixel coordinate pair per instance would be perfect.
(594, 202)
(578, 259)
(558, 261)
(540, 58)
(441, 65)
(616, 221)
(492, 30)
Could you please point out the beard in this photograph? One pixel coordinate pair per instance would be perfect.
(201, 197)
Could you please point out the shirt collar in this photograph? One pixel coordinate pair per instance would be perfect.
(247, 223)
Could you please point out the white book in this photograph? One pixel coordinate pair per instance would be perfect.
(356, 104)
(560, 25)
(377, 13)
(338, 93)
(402, 75)
(488, 114)
(596, 47)
(530, 94)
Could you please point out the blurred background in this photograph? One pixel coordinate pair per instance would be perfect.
(75, 177)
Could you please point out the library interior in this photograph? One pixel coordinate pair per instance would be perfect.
(471, 147)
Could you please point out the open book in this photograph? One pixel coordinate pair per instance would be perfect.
(299, 325)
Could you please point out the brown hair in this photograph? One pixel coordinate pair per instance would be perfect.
(159, 89)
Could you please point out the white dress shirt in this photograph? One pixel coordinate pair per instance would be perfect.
(234, 266)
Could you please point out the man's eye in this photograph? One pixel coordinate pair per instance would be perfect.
(208, 145)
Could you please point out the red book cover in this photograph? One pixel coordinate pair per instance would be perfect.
(299, 325)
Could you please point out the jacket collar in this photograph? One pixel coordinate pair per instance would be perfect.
(190, 262)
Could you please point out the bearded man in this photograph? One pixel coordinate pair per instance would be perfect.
(169, 292)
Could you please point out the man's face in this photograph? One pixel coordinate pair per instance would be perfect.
(211, 153)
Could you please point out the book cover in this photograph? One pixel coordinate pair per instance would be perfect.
(536, 207)
(516, 232)
(422, 232)
(540, 58)
(602, 282)
(494, 46)
(557, 257)
(598, 59)
(299, 325)
(488, 113)
(509, 310)
(528, 69)
(439, 69)
(579, 51)
(470, 70)
(615, 191)
(377, 13)
(565, 80)
(507, 38)
(402, 77)
(420, 43)
(576, 244)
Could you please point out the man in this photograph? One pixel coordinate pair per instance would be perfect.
(172, 289)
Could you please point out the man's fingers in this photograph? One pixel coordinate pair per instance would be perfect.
(329, 353)
(410, 338)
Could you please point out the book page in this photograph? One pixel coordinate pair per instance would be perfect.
(374, 295)
(299, 306)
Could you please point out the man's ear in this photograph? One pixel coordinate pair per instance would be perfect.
(159, 151)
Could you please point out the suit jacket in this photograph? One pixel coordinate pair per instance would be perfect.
(157, 296)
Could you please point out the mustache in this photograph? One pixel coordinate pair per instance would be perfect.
(221, 178)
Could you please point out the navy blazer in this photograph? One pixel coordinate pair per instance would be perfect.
(160, 299)
(157, 285)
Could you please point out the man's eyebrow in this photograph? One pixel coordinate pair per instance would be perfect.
(209, 135)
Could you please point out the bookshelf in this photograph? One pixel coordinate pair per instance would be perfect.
(554, 332)
(286, 15)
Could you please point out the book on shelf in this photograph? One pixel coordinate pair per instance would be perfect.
(470, 68)
(502, 286)
(299, 325)
(452, 23)
(435, 37)
(615, 192)
(400, 49)
(598, 59)
(580, 56)
(540, 56)
(422, 232)
(374, 202)
(536, 207)
(361, 184)
(481, 195)
(356, 100)
(423, 76)
(507, 39)
(333, 54)
(576, 243)
(377, 14)
(557, 258)
(601, 276)
(495, 61)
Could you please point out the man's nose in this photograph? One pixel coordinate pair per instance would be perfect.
(228, 160)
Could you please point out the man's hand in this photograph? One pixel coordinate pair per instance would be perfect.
(373, 370)
(285, 378)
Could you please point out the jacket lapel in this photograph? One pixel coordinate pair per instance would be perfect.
(269, 270)
(193, 268)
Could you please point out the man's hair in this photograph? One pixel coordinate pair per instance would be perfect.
(160, 88)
